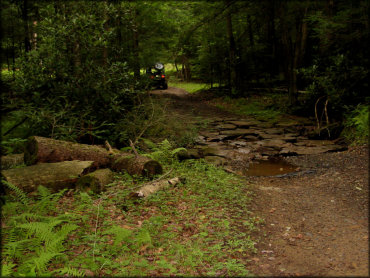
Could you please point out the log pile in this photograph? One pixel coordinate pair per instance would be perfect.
(60, 164)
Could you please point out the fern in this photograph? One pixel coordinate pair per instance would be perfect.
(43, 191)
(143, 237)
(119, 233)
(7, 269)
(17, 191)
(69, 271)
(47, 201)
(42, 261)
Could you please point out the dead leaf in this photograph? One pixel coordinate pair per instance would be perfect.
(272, 210)
(299, 236)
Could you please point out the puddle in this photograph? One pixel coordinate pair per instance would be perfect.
(271, 167)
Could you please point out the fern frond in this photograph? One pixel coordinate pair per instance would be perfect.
(16, 250)
(7, 269)
(28, 216)
(39, 229)
(17, 191)
(42, 261)
(69, 271)
(119, 233)
(56, 244)
(43, 191)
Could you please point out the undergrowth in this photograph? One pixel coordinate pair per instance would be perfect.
(260, 109)
(200, 227)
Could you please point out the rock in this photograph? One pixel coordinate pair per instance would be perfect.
(225, 126)
(208, 134)
(217, 138)
(245, 124)
(236, 132)
(194, 154)
(238, 143)
(251, 138)
(215, 151)
(273, 131)
(215, 160)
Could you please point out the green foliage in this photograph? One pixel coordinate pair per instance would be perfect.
(19, 194)
(12, 145)
(337, 82)
(32, 240)
(357, 125)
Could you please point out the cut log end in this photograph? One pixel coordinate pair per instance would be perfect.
(152, 168)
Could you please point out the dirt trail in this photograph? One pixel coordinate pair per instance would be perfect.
(316, 224)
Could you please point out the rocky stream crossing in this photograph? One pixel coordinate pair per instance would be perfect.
(312, 195)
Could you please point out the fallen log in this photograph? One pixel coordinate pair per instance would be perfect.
(45, 150)
(95, 181)
(135, 165)
(9, 161)
(41, 150)
(153, 187)
(55, 176)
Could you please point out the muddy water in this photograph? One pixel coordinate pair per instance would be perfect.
(270, 167)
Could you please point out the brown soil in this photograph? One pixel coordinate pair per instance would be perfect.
(315, 223)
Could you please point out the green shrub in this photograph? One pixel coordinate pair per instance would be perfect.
(357, 125)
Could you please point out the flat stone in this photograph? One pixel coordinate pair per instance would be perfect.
(207, 134)
(273, 131)
(245, 124)
(251, 138)
(217, 138)
(275, 143)
(236, 132)
(238, 143)
(225, 126)
(215, 151)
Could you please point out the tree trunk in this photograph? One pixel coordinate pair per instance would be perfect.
(40, 149)
(44, 150)
(55, 176)
(232, 49)
(96, 181)
(136, 45)
(153, 187)
(27, 43)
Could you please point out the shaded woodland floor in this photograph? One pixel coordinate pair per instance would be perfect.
(315, 222)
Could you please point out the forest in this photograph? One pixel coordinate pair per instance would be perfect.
(245, 81)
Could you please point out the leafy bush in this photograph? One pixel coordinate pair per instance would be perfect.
(337, 79)
(67, 87)
(357, 125)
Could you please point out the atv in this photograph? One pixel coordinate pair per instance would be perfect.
(157, 76)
